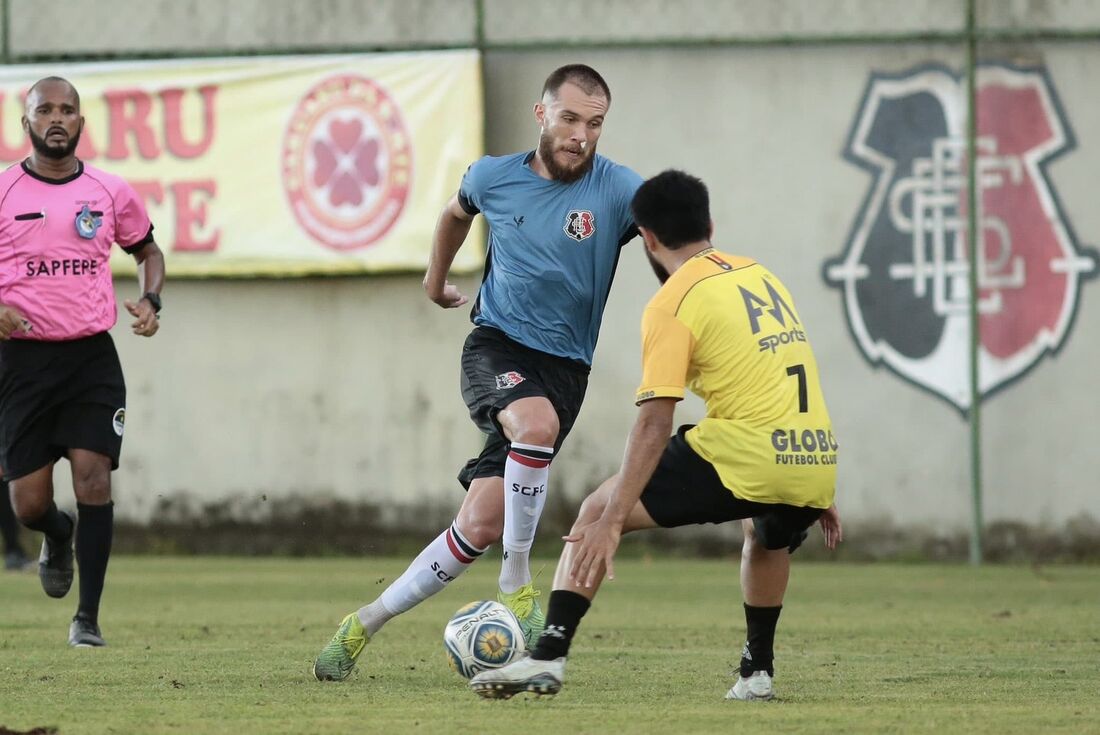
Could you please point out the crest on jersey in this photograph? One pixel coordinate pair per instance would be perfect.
(509, 379)
(904, 273)
(87, 222)
(580, 224)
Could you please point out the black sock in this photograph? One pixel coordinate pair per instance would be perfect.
(563, 615)
(52, 523)
(95, 528)
(758, 654)
(9, 527)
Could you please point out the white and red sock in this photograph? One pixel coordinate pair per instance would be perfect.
(526, 472)
(439, 564)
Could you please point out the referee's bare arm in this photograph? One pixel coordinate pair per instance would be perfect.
(150, 268)
(450, 232)
(12, 320)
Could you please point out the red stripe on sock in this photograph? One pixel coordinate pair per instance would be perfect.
(457, 552)
(538, 464)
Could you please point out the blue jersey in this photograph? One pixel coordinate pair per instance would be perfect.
(553, 248)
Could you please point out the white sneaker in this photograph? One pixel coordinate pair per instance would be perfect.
(525, 675)
(756, 688)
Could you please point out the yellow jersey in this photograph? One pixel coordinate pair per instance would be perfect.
(727, 328)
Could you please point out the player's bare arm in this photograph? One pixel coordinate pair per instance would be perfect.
(12, 320)
(150, 260)
(598, 541)
(450, 232)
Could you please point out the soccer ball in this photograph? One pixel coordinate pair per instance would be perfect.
(482, 635)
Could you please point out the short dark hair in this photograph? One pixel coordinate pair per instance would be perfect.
(675, 206)
(583, 76)
(52, 80)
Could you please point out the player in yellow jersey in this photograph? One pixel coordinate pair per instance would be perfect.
(726, 327)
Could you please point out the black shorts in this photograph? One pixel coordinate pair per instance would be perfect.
(496, 371)
(56, 396)
(686, 489)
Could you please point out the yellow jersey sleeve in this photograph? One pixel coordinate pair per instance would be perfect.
(667, 345)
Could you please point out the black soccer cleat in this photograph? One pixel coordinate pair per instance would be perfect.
(55, 563)
(83, 633)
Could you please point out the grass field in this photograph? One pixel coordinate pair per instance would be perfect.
(224, 645)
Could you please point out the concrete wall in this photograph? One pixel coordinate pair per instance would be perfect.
(348, 388)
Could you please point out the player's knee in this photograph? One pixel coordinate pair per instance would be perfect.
(537, 426)
(541, 431)
(480, 520)
(591, 508)
(480, 531)
(92, 487)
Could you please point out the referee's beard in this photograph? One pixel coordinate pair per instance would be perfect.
(44, 149)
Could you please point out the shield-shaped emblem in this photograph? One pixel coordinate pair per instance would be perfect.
(904, 274)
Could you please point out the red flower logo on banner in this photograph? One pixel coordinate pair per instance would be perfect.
(345, 162)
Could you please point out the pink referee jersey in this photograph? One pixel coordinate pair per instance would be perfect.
(55, 239)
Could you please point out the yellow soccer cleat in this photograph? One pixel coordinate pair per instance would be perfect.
(337, 660)
(525, 606)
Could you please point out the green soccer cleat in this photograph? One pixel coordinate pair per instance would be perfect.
(337, 659)
(525, 606)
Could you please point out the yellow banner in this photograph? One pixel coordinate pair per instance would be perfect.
(280, 165)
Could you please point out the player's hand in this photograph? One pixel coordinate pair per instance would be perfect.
(595, 552)
(830, 526)
(449, 297)
(146, 322)
(12, 320)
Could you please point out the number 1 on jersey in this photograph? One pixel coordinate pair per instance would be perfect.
(803, 400)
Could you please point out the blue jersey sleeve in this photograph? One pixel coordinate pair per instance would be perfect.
(627, 185)
(473, 186)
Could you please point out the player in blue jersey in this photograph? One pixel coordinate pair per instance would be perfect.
(558, 217)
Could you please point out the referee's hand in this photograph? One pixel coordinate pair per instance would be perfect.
(12, 320)
(146, 323)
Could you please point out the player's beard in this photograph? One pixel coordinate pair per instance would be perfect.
(658, 269)
(46, 150)
(564, 174)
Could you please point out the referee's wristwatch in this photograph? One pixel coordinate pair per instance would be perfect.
(154, 299)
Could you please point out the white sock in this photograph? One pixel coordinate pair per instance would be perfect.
(515, 570)
(439, 564)
(525, 475)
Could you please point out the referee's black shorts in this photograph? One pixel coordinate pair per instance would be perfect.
(686, 489)
(496, 371)
(56, 396)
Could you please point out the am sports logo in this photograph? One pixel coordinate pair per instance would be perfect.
(904, 274)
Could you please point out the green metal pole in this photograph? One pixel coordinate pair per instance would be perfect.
(5, 30)
(479, 24)
(974, 242)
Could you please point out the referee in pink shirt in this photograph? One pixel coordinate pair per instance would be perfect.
(61, 388)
